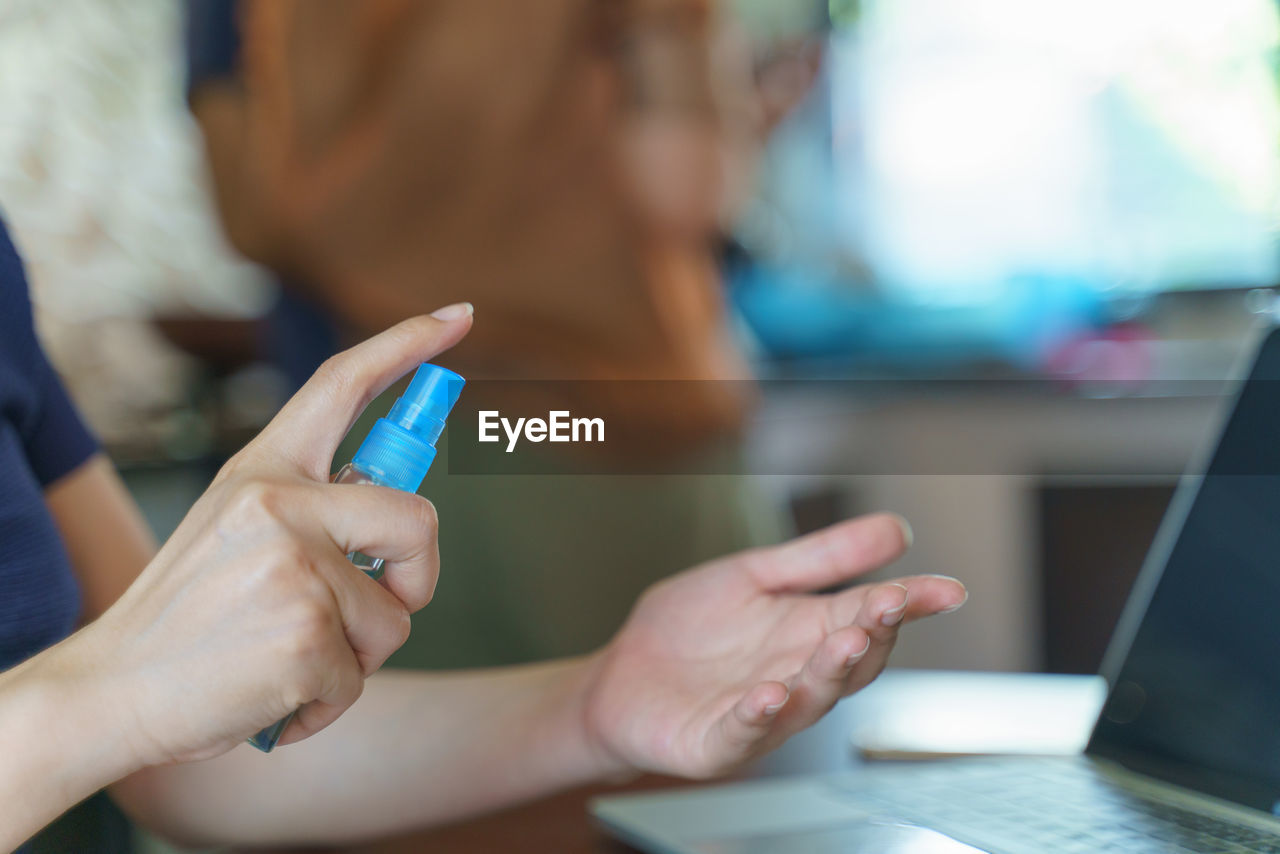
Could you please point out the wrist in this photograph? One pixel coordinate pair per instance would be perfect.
(92, 705)
(62, 744)
(587, 739)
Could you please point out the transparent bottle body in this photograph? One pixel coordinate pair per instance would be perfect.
(266, 738)
(371, 566)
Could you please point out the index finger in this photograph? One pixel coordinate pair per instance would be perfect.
(832, 556)
(309, 427)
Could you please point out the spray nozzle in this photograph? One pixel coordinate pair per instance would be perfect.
(400, 447)
(425, 404)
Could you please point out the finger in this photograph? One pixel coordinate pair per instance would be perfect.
(883, 611)
(374, 622)
(927, 595)
(821, 682)
(310, 426)
(832, 556)
(742, 729)
(399, 527)
(342, 686)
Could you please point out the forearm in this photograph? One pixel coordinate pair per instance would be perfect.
(60, 743)
(417, 749)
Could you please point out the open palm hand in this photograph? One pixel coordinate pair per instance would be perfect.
(726, 661)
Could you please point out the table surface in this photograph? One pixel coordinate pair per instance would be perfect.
(562, 824)
(558, 824)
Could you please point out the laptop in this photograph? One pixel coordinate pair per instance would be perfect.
(1184, 756)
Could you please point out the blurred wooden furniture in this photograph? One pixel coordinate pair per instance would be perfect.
(1093, 540)
(967, 466)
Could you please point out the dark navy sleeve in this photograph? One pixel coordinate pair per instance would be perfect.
(212, 40)
(58, 441)
(53, 437)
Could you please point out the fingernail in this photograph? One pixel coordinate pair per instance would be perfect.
(457, 311)
(908, 535)
(957, 606)
(857, 656)
(774, 708)
(893, 616)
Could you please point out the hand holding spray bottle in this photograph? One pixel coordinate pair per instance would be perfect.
(397, 453)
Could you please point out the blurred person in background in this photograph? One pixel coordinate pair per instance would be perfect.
(569, 166)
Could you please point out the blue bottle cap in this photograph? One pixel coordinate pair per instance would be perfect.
(401, 447)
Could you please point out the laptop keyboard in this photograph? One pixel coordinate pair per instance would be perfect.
(1039, 806)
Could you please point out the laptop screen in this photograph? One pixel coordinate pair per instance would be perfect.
(1196, 699)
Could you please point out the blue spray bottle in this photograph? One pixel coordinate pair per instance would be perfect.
(396, 453)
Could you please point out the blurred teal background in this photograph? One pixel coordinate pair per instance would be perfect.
(992, 178)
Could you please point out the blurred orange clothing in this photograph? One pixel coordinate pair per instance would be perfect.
(399, 155)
